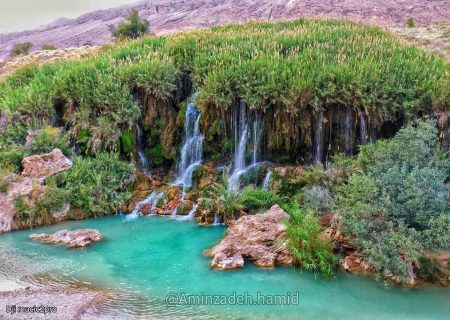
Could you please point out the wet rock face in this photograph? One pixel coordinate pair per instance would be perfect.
(41, 166)
(72, 239)
(260, 238)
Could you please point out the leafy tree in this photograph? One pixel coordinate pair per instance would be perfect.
(397, 204)
(21, 49)
(135, 27)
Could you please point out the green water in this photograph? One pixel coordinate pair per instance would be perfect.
(145, 259)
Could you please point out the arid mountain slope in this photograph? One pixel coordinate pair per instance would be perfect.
(168, 16)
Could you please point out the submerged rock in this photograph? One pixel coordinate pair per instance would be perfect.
(72, 239)
(260, 238)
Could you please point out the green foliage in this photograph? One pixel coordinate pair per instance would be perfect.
(410, 23)
(3, 186)
(48, 139)
(21, 49)
(48, 47)
(96, 185)
(310, 249)
(156, 155)
(38, 210)
(135, 27)
(429, 270)
(397, 204)
(255, 200)
(12, 157)
(127, 140)
(219, 199)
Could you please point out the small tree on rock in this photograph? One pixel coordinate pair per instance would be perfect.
(134, 27)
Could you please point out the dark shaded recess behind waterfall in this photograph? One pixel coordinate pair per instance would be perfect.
(303, 136)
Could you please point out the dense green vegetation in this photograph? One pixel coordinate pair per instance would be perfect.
(310, 249)
(97, 185)
(291, 66)
(396, 205)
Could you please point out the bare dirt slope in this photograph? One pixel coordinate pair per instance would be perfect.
(167, 16)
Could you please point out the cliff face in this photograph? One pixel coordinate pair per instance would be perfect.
(167, 16)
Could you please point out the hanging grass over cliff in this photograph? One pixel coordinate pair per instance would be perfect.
(290, 66)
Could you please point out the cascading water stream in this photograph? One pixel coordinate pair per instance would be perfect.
(267, 180)
(143, 161)
(241, 138)
(151, 200)
(192, 150)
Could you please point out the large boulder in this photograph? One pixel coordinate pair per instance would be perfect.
(260, 238)
(44, 165)
(72, 239)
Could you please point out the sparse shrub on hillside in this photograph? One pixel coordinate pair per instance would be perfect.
(133, 28)
(48, 47)
(21, 49)
(410, 23)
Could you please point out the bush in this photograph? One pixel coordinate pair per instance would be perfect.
(48, 139)
(256, 200)
(97, 185)
(48, 47)
(410, 23)
(397, 204)
(21, 49)
(134, 28)
(38, 209)
(11, 158)
(429, 269)
(311, 251)
(318, 198)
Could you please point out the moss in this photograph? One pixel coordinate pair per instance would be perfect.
(155, 155)
(127, 141)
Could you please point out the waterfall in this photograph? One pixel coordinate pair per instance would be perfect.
(363, 128)
(143, 161)
(193, 210)
(318, 139)
(192, 150)
(256, 136)
(151, 200)
(241, 138)
(266, 181)
(216, 220)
